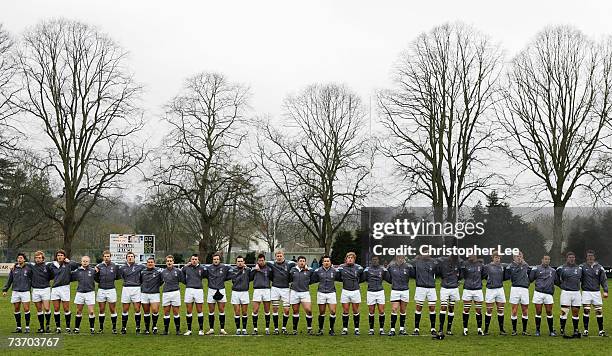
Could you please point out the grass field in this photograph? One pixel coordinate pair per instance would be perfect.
(85, 344)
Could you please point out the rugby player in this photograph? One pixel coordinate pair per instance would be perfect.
(326, 293)
(41, 291)
(374, 275)
(240, 276)
(448, 269)
(85, 295)
(350, 274)
(425, 269)
(495, 294)
(217, 273)
(171, 294)
(518, 273)
(300, 278)
(261, 275)
(20, 278)
(568, 278)
(280, 288)
(593, 279)
(400, 273)
(472, 273)
(130, 294)
(194, 272)
(60, 292)
(543, 277)
(106, 274)
(150, 282)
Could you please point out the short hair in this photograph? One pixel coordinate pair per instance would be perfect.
(106, 252)
(22, 255)
(301, 258)
(60, 251)
(324, 257)
(261, 255)
(349, 254)
(195, 255)
(151, 258)
(374, 256)
(279, 251)
(495, 253)
(589, 252)
(170, 256)
(239, 256)
(570, 253)
(130, 253)
(216, 254)
(39, 253)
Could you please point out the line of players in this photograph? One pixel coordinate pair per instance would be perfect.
(287, 284)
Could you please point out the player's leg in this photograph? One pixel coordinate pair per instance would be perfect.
(25, 305)
(307, 306)
(332, 316)
(112, 308)
(211, 317)
(514, 317)
(275, 301)
(403, 306)
(467, 305)
(381, 318)
(525, 317)
(419, 299)
(125, 310)
(443, 309)
(166, 310)
(146, 308)
(478, 309)
(17, 313)
(266, 304)
(432, 300)
(371, 314)
(47, 309)
(599, 316)
(245, 317)
(322, 307)
(345, 317)
(176, 311)
(355, 307)
(549, 317)
(563, 314)
(221, 307)
(92, 314)
(488, 314)
(137, 315)
(78, 318)
(394, 311)
(188, 315)
(575, 318)
(40, 314)
(538, 318)
(237, 318)
(500, 317)
(296, 316)
(66, 308)
(255, 314)
(56, 314)
(154, 315)
(101, 312)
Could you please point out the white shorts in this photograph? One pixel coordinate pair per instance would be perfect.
(299, 297)
(422, 293)
(61, 293)
(350, 296)
(88, 298)
(570, 298)
(495, 295)
(148, 298)
(211, 300)
(519, 295)
(23, 297)
(194, 295)
(373, 298)
(542, 298)
(589, 298)
(107, 295)
(326, 298)
(261, 295)
(40, 294)
(400, 295)
(172, 298)
(130, 295)
(240, 297)
(281, 294)
(449, 294)
(472, 295)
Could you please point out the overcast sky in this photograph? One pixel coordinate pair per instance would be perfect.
(277, 47)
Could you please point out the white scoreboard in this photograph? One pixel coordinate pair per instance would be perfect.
(143, 247)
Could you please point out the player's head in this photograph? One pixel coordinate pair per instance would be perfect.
(375, 261)
(495, 257)
(39, 257)
(350, 258)
(21, 258)
(150, 262)
(240, 261)
(326, 261)
(279, 256)
(301, 261)
(60, 255)
(194, 260)
(169, 261)
(570, 258)
(216, 258)
(545, 260)
(453, 260)
(130, 257)
(472, 258)
(590, 256)
(518, 257)
(261, 260)
(400, 259)
(85, 261)
(106, 256)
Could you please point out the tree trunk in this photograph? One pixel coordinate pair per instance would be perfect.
(557, 246)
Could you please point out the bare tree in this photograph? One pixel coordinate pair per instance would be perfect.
(557, 105)
(321, 168)
(273, 214)
(7, 89)
(196, 160)
(76, 85)
(436, 117)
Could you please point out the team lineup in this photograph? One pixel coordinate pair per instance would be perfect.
(283, 287)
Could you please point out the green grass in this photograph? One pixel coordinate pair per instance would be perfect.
(85, 344)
